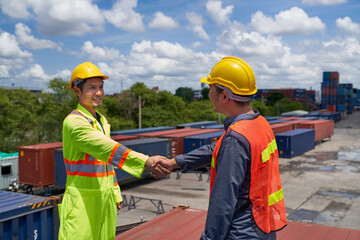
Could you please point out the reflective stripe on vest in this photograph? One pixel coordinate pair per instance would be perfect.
(266, 194)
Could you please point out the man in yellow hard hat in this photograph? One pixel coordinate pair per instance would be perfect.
(92, 194)
(246, 197)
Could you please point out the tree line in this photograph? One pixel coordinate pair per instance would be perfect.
(29, 119)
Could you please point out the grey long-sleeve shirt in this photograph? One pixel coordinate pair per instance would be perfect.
(231, 187)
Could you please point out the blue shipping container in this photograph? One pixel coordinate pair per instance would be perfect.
(197, 124)
(340, 107)
(295, 142)
(140, 130)
(341, 91)
(217, 126)
(194, 142)
(24, 216)
(277, 121)
(59, 171)
(148, 146)
(326, 75)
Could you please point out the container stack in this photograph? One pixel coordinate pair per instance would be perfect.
(356, 98)
(329, 87)
(348, 96)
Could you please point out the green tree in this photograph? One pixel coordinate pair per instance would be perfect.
(274, 97)
(18, 118)
(205, 93)
(262, 108)
(185, 93)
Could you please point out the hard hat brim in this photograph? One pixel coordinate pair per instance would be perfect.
(204, 80)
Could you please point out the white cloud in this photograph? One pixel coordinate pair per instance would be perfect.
(4, 71)
(348, 26)
(323, 2)
(98, 53)
(9, 47)
(16, 9)
(23, 33)
(291, 22)
(218, 14)
(124, 17)
(58, 17)
(195, 25)
(161, 21)
(35, 77)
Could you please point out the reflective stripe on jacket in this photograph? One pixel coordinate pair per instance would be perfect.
(266, 193)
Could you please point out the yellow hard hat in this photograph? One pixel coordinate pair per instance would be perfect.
(85, 70)
(233, 73)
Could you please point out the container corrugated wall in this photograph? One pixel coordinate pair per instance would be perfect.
(24, 216)
(295, 142)
(151, 147)
(177, 140)
(194, 142)
(281, 127)
(323, 128)
(59, 170)
(9, 170)
(36, 164)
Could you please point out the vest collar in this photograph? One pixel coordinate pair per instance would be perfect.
(87, 113)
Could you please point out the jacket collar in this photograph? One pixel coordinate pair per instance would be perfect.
(86, 113)
(247, 116)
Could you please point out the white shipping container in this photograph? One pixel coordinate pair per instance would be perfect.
(9, 169)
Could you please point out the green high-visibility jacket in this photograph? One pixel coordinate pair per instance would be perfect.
(88, 208)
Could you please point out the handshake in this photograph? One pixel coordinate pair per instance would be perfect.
(160, 166)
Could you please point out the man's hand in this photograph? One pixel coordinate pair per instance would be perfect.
(157, 166)
(118, 206)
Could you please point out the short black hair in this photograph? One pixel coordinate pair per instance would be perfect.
(81, 85)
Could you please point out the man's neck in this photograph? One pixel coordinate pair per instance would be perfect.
(91, 110)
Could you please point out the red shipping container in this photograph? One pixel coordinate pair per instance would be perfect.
(296, 123)
(281, 127)
(289, 118)
(161, 133)
(331, 108)
(332, 91)
(119, 138)
(334, 75)
(325, 91)
(289, 93)
(177, 139)
(36, 164)
(323, 128)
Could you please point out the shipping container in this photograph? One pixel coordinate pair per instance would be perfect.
(36, 164)
(179, 223)
(277, 121)
(218, 126)
(140, 130)
(9, 171)
(119, 138)
(340, 107)
(177, 140)
(161, 133)
(150, 147)
(194, 142)
(59, 170)
(197, 124)
(295, 142)
(341, 91)
(331, 108)
(281, 127)
(323, 128)
(24, 216)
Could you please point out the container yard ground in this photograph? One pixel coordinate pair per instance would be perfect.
(320, 186)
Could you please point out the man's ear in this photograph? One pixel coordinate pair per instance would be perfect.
(77, 91)
(226, 97)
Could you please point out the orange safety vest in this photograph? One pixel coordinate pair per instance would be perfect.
(266, 194)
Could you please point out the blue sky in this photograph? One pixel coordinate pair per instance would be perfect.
(172, 44)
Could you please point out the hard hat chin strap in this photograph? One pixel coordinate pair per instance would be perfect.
(232, 95)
